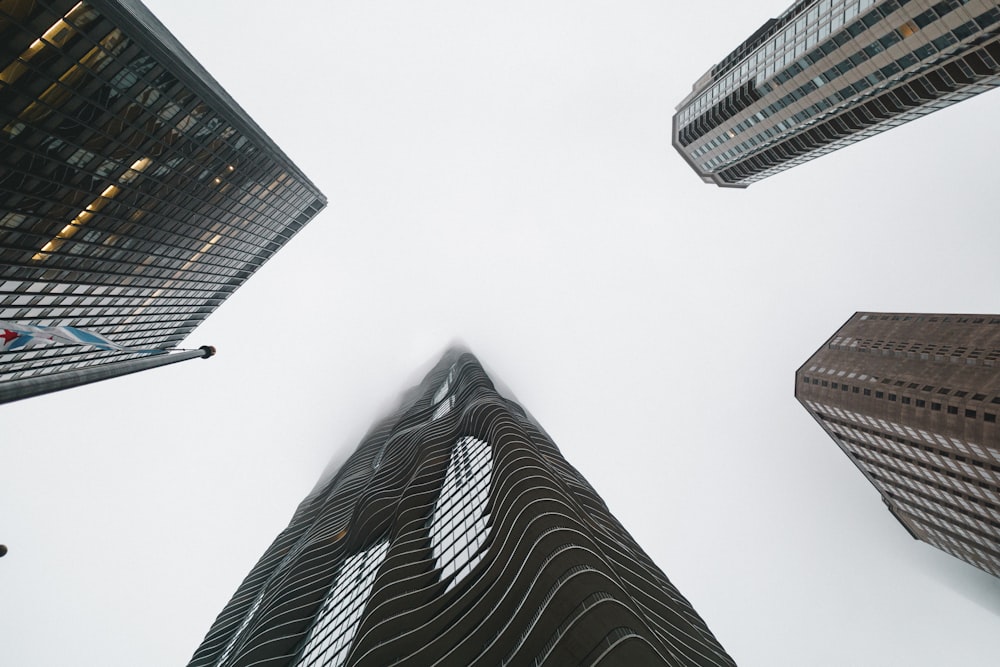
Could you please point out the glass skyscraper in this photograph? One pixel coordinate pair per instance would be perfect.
(828, 73)
(913, 401)
(456, 534)
(135, 194)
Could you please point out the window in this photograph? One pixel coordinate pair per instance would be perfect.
(921, 403)
(458, 525)
(868, 392)
(444, 407)
(905, 400)
(333, 630)
(952, 410)
(971, 414)
(990, 417)
(944, 41)
(936, 406)
(879, 394)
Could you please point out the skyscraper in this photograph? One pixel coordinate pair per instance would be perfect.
(135, 194)
(913, 401)
(456, 534)
(828, 73)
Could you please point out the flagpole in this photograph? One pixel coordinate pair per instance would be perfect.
(15, 390)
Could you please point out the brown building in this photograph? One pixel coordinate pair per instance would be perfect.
(913, 401)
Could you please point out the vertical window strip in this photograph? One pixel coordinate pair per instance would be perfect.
(446, 405)
(243, 626)
(337, 622)
(458, 525)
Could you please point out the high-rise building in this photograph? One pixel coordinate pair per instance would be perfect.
(828, 73)
(456, 534)
(135, 194)
(913, 401)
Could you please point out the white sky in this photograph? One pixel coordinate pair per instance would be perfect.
(501, 174)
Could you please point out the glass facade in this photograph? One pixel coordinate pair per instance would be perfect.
(333, 630)
(828, 73)
(135, 194)
(458, 526)
(457, 535)
(913, 401)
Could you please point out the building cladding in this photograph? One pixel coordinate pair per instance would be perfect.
(135, 194)
(456, 534)
(913, 401)
(828, 73)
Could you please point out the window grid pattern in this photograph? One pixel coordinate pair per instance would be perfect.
(959, 549)
(945, 489)
(877, 64)
(789, 43)
(970, 355)
(445, 401)
(815, 142)
(329, 640)
(986, 457)
(883, 35)
(128, 204)
(924, 464)
(908, 396)
(458, 525)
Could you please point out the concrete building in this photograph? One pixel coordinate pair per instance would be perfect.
(828, 73)
(913, 401)
(135, 194)
(456, 534)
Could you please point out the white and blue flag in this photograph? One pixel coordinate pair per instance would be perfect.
(15, 336)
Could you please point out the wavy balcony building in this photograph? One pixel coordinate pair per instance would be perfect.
(135, 194)
(912, 400)
(456, 534)
(828, 73)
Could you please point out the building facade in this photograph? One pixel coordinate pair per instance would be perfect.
(456, 534)
(828, 73)
(913, 401)
(135, 194)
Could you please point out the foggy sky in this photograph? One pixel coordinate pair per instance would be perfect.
(501, 174)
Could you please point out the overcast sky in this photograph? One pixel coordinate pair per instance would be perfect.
(500, 173)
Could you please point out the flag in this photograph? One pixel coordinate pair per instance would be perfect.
(15, 336)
